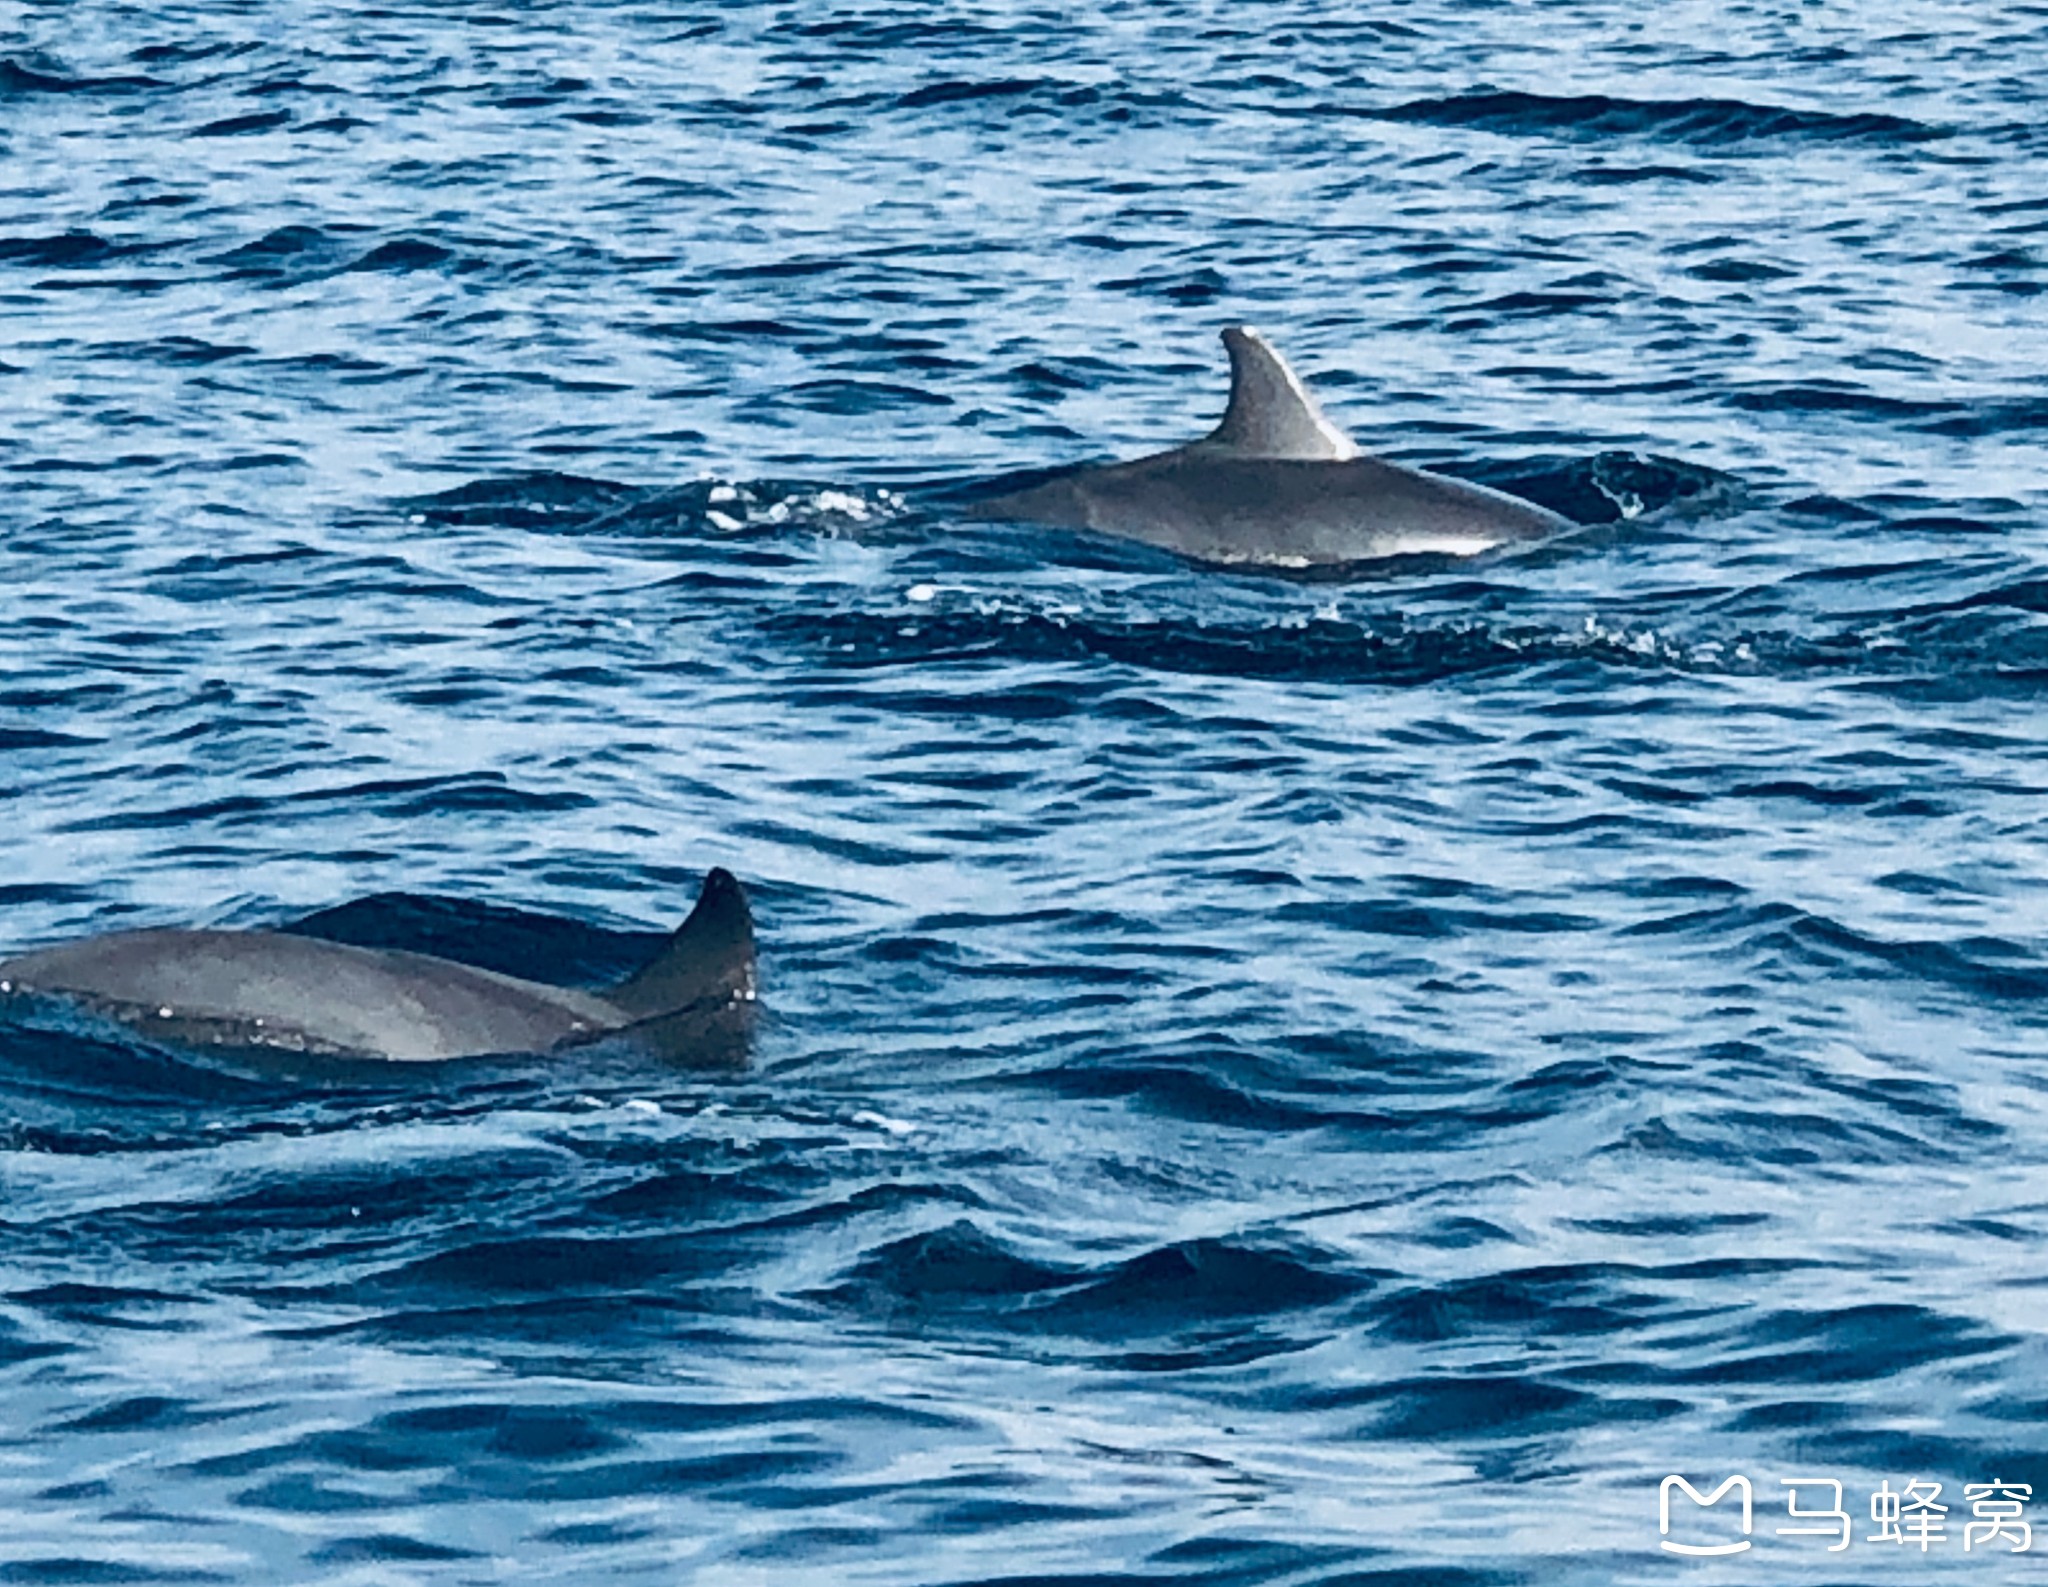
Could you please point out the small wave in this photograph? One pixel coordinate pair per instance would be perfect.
(1203, 285)
(195, 50)
(1485, 1406)
(1539, 303)
(72, 248)
(1020, 97)
(1201, 1300)
(540, 96)
(1990, 417)
(295, 254)
(1390, 651)
(853, 397)
(21, 78)
(1838, 396)
(286, 242)
(1707, 122)
(1782, 939)
(1852, 1344)
(184, 350)
(2024, 595)
(18, 1347)
(781, 270)
(1182, 1286)
(736, 332)
(1739, 271)
(955, 1265)
(239, 126)
(408, 799)
(1610, 487)
(1219, 1082)
(1558, 1302)
(1985, 969)
(18, 738)
(1194, 1086)
(610, 1270)
(574, 504)
(1630, 175)
(887, 35)
(289, 255)
(953, 92)
(542, 500)
(79, 1086)
(403, 254)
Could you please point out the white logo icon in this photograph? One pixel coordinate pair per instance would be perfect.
(1702, 1550)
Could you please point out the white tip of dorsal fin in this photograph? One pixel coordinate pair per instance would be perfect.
(1271, 413)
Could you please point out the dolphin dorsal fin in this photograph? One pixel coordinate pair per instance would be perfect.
(710, 955)
(1271, 413)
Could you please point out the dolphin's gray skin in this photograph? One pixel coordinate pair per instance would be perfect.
(1276, 484)
(248, 991)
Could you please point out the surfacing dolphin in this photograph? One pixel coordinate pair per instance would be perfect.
(1276, 484)
(252, 991)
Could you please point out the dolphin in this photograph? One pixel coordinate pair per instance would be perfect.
(1276, 484)
(255, 991)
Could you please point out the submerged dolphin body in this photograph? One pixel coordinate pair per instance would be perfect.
(250, 991)
(1276, 484)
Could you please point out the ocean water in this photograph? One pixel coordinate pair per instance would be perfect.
(1262, 1081)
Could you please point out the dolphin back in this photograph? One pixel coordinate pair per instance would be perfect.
(266, 990)
(1279, 512)
(1274, 485)
(275, 992)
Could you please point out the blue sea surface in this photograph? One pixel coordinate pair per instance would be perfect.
(1261, 1080)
